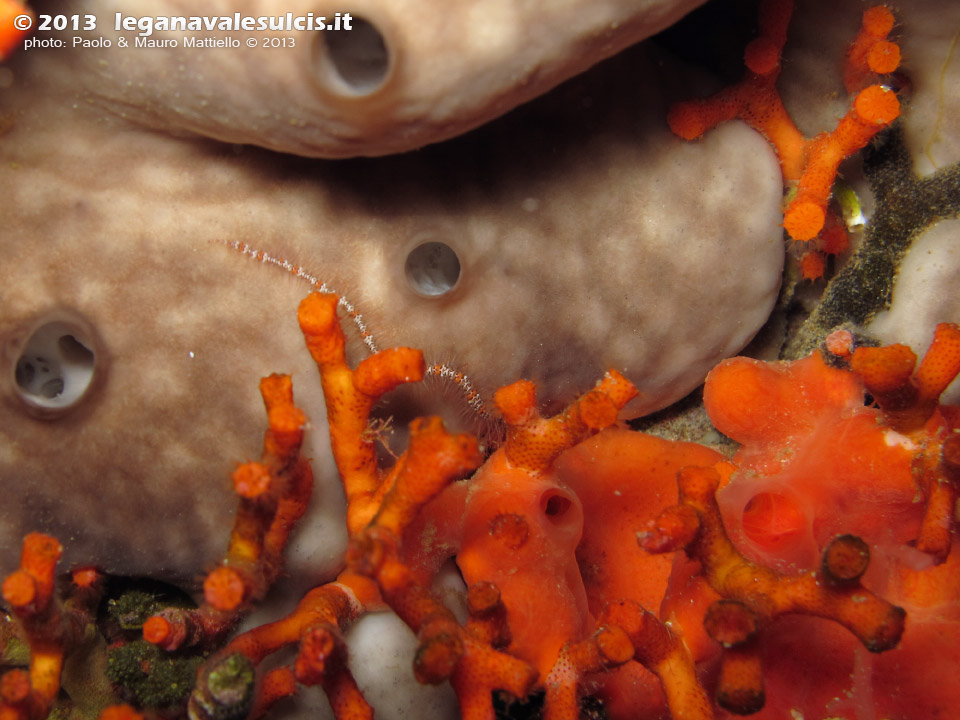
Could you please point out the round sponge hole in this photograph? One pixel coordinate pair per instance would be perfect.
(55, 368)
(353, 62)
(432, 269)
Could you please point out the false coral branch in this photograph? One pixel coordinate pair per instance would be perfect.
(534, 442)
(315, 624)
(909, 399)
(379, 508)
(909, 402)
(873, 109)
(52, 628)
(760, 594)
(274, 494)
(350, 396)
(433, 459)
(661, 651)
(941, 485)
(447, 650)
(608, 647)
(871, 53)
(755, 100)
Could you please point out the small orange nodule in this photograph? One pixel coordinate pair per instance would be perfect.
(251, 480)
(287, 420)
(840, 343)
(761, 56)
(878, 21)
(517, 402)
(845, 559)
(224, 589)
(771, 520)
(156, 630)
(686, 121)
(85, 577)
(41, 548)
(813, 265)
(941, 363)
(120, 712)
(15, 686)
(19, 589)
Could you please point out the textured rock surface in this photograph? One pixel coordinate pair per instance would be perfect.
(416, 72)
(587, 237)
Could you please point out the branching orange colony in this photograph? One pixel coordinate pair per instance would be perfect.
(808, 165)
(546, 527)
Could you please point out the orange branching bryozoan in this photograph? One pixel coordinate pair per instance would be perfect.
(810, 163)
(909, 402)
(350, 396)
(273, 496)
(545, 528)
(871, 53)
(753, 595)
(52, 627)
(380, 506)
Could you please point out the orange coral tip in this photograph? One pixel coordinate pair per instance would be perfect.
(686, 121)
(877, 104)
(884, 57)
(845, 559)
(15, 686)
(884, 369)
(516, 402)
(156, 630)
(120, 712)
(85, 577)
(761, 56)
(834, 239)
(42, 546)
(251, 480)
(19, 589)
(941, 363)
(878, 21)
(597, 410)
(813, 265)
(803, 220)
(224, 589)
